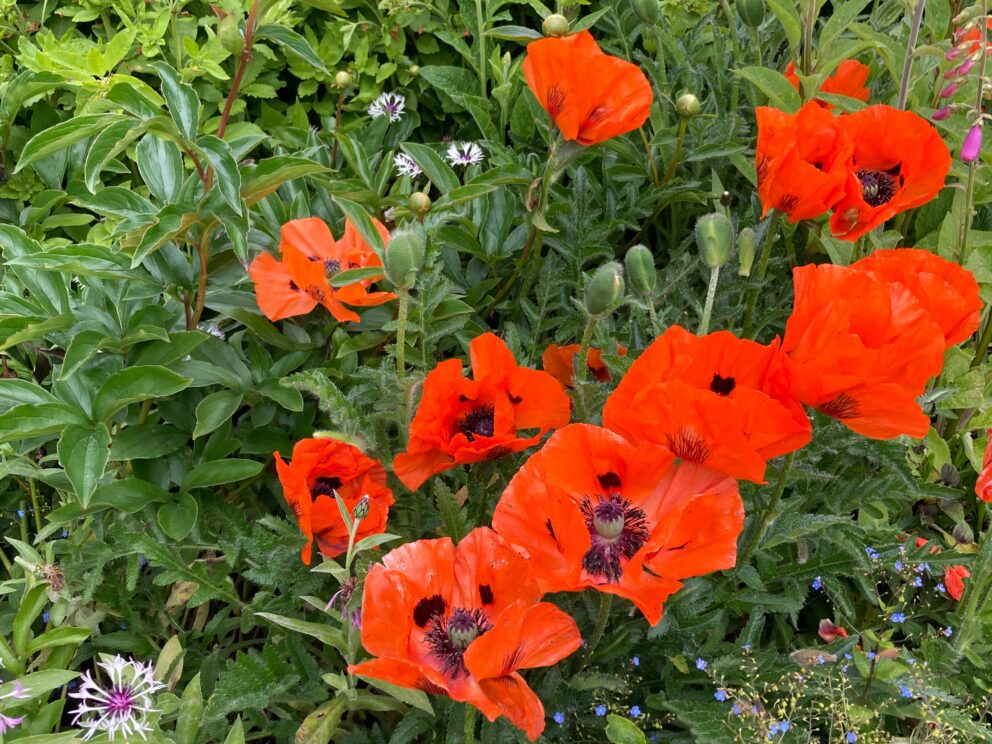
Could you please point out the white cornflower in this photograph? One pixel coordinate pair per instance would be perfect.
(122, 706)
(388, 104)
(465, 153)
(406, 165)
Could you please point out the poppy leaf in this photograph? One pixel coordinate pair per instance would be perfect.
(588, 21)
(839, 20)
(416, 698)
(788, 16)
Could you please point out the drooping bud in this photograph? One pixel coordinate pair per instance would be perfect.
(405, 256)
(649, 11)
(605, 290)
(640, 270)
(751, 12)
(419, 202)
(949, 90)
(941, 113)
(555, 25)
(747, 246)
(229, 34)
(972, 146)
(361, 509)
(343, 79)
(715, 238)
(687, 105)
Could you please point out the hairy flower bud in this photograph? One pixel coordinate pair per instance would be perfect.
(405, 256)
(649, 11)
(687, 105)
(555, 25)
(972, 146)
(641, 271)
(229, 34)
(747, 246)
(343, 79)
(361, 509)
(605, 289)
(419, 202)
(714, 238)
(751, 12)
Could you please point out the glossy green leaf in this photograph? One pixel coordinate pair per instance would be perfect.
(28, 611)
(181, 99)
(64, 135)
(83, 452)
(107, 145)
(146, 442)
(292, 42)
(217, 472)
(161, 166)
(176, 518)
(621, 731)
(135, 384)
(37, 419)
(214, 410)
(227, 177)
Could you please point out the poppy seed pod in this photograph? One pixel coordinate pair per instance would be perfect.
(229, 34)
(605, 290)
(649, 11)
(343, 79)
(747, 245)
(555, 25)
(715, 238)
(641, 271)
(419, 202)
(687, 105)
(405, 256)
(751, 12)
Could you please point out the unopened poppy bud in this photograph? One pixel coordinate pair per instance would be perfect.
(972, 146)
(555, 25)
(941, 113)
(687, 105)
(649, 11)
(361, 509)
(751, 12)
(715, 238)
(747, 246)
(343, 79)
(415, 70)
(605, 289)
(640, 270)
(229, 34)
(419, 202)
(405, 256)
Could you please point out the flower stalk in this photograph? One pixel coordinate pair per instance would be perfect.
(757, 533)
(766, 252)
(907, 65)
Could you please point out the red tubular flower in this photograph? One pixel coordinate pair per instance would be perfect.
(310, 255)
(899, 161)
(716, 400)
(948, 292)
(558, 362)
(462, 622)
(862, 350)
(954, 577)
(319, 468)
(801, 161)
(848, 80)
(983, 487)
(591, 96)
(462, 421)
(596, 511)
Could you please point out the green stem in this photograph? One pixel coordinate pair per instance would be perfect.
(756, 38)
(177, 46)
(25, 537)
(6, 563)
(651, 162)
(973, 166)
(754, 537)
(704, 322)
(766, 252)
(480, 20)
(404, 296)
(582, 368)
(351, 543)
(677, 154)
(809, 20)
(653, 315)
(469, 736)
(35, 505)
(907, 65)
(982, 345)
(605, 603)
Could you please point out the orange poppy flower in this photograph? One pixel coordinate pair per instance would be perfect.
(558, 361)
(983, 487)
(590, 95)
(319, 468)
(801, 161)
(717, 400)
(596, 511)
(954, 577)
(461, 621)
(899, 161)
(861, 350)
(461, 421)
(848, 80)
(298, 283)
(943, 288)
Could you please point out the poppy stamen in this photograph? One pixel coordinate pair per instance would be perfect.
(723, 385)
(449, 637)
(617, 531)
(688, 445)
(480, 422)
(877, 187)
(325, 486)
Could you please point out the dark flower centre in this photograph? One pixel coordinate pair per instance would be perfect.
(293, 286)
(325, 486)
(427, 609)
(449, 637)
(480, 422)
(723, 385)
(688, 445)
(877, 187)
(842, 407)
(617, 530)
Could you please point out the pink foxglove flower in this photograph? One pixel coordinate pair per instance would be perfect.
(972, 146)
(122, 705)
(941, 114)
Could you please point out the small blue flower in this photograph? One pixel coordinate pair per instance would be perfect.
(848, 656)
(871, 553)
(821, 660)
(773, 729)
(635, 712)
(736, 710)
(600, 710)
(897, 566)
(65, 533)
(921, 567)
(559, 718)
(72, 684)
(635, 661)
(701, 664)
(843, 669)
(905, 691)
(871, 655)
(910, 660)
(850, 737)
(926, 566)
(721, 695)
(746, 647)
(948, 631)
(46, 616)
(20, 513)
(142, 561)
(941, 588)
(784, 726)
(817, 584)
(898, 617)
(918, 582)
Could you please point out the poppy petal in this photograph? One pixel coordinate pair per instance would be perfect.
(278, 296)
(517, 702)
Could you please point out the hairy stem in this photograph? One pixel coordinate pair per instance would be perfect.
(404, 305)
(907, 65)
(469, 735)
(755, 536)
(33, 486)
(677, 154)
(766, 252)
(602, 617)
(704, 322)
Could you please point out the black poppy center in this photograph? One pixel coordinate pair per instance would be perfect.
(877, 187)
(617, 530)
(293, 286)
(723, 385)
(325, 486)
(450, 636)
(427, 609)
(480, 422)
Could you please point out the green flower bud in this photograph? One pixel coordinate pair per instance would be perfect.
(415, 70)
(640, 270)
(343, 79)
(605, 289)
(419, 202)
(229, 34)
(361, 509)
(405, 256)
(747, 246)
(555, 25)
(715, 238)
(687, 105)
(649, 11)
(751, 12)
